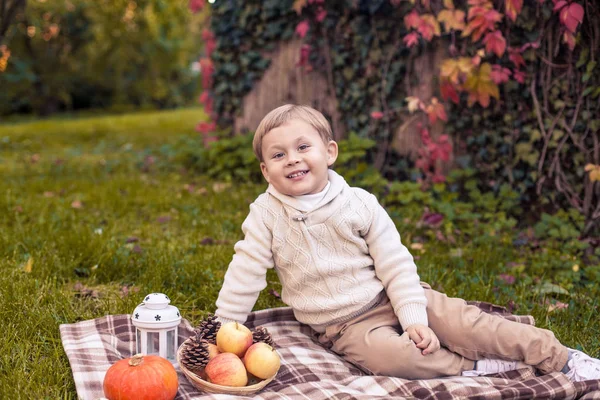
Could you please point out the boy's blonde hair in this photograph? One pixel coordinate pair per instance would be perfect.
(283, 114)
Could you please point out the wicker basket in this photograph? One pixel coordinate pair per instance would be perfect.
(205, 386)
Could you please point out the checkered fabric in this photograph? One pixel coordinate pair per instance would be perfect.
(309, 371)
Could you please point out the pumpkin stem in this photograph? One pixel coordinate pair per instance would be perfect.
(136, 360)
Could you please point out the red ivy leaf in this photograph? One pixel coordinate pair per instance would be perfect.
(515, 56)
(207, 68)
(302, 28)
(482, 19)
(499, 74)
(513, 8)
(448, 91)
(209, 42)
(206, 127)
(436, 111)
(412, 20)
(443, 148)
(495, 42)
(304, 55)
(376, 115)
(204, 96)
(569, 39)
(411, 39)
(519, 76)
(571, 16)
(429, 27)
(321, 14)
(196, 5)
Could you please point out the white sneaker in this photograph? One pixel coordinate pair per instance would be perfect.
(582, 367)
(493, 366)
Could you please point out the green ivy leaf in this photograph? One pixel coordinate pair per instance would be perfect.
(583, 56)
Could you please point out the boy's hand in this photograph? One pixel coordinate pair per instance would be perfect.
(424, 338)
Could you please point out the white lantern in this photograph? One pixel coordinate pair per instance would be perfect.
(156, 324)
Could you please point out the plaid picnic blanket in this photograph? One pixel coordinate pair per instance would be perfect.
(309, 371)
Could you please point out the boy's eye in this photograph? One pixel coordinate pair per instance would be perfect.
(303, 147)
(277, 155)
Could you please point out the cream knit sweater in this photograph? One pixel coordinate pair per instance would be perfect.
(333, 261)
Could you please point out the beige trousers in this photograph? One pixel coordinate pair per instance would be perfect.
(375, 342)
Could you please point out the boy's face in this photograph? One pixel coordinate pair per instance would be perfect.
(296, 159)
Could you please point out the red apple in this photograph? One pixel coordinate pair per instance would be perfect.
(261, 360)
(234, 337)
(226, 369)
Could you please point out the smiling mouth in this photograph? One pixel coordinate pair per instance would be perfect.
(297, 174)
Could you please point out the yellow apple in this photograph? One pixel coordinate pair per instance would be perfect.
(261, 360)
(226, 369)
(234, 337)
(213, 350)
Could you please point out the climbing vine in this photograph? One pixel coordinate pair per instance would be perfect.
(516, 85)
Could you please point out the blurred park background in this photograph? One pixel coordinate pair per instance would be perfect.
(127, 168)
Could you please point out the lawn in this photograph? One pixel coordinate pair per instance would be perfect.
(97, 212)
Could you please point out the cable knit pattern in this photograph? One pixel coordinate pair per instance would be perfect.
(333, 262)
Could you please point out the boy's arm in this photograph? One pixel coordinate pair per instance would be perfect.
(246, 274)
(395, 267)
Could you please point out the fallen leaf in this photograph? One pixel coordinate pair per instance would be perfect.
(274, 293)
(416, 246)
(163, 219)
(28, 265)
(207, 241)
(432, 219)
(548, 287)
(220, 186)
(507, 278)
(456, 253)
(83, 291)
(558, 305)
(77, 204)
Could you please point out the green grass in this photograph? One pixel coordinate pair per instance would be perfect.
(107, 203)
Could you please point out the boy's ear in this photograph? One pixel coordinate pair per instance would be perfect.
(265, 171)
(332, 152)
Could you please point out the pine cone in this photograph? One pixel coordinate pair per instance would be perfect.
(261, 334)
(195, 354)
(208, 328)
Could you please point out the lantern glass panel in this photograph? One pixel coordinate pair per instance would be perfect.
(153, 343)
(171, 344)
(138, 340)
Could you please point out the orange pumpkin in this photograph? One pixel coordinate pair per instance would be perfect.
(141, 378)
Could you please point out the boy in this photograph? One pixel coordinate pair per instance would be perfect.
(345, 272)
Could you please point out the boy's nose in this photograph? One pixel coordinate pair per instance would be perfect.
(293, 160)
